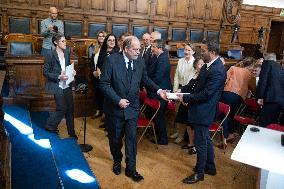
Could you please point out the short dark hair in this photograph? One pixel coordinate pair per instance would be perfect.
(212, 46)
(56, 37)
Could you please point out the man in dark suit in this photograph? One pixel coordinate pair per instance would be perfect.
(270, 92)
(203, 105)
(54, 70)
(161, 76)
(120, 81)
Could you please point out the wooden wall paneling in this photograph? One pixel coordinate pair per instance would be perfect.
(121, 7)
(76, 4)
(198, 9)
(162, 8)
(99, 6)
(216, 9)
(48, 3)
(180, 9)
(142, 8)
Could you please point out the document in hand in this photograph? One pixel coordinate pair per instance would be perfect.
(70, 73)
(173, 96)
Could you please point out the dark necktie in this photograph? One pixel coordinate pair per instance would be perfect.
(129, 71)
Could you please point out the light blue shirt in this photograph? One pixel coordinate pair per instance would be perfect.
(47, 34)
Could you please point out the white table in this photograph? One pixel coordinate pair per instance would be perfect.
(263, 150)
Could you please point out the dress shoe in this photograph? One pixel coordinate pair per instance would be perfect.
(186, 146)
(192, 151)
(211, 172)
(134, 175)
(194, 178)
(51, 130)
(116, 168)
(74, 136)
(160, 143)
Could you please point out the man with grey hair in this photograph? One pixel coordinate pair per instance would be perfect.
(270, 56)
(49, 27)
(120, 82)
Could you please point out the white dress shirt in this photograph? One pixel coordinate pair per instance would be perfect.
(184, 72)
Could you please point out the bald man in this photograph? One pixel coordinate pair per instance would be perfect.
(49, 27)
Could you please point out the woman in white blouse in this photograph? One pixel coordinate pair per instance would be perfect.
(184, 73)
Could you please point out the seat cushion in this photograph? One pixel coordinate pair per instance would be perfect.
(21, 48)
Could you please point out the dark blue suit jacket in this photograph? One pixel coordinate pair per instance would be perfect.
(52, 70)
(161, 73)
(115, 85)
(203, 101)
(270, 86)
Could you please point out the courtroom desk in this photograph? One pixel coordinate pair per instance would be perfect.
(27, 85)
(262, 150)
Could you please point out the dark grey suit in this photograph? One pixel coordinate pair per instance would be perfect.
(63, 97)
(270, 88)
(115, 85)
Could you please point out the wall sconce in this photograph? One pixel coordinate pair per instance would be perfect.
(235, 28)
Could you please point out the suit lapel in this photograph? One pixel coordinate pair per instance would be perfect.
(123, 71)
(56, 58)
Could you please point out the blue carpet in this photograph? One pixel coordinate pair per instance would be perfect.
(68, 156)
(33, 165)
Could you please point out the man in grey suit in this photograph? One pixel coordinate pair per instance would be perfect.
(120, 81)
(49, 27)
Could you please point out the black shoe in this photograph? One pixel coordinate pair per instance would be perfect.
(192, 151)
(211, 172)
(116, 168)
(160, 143)
(51, 130)
(185, 146)
(102, 126)
(74, 136)
(194, 178)
(135, 176)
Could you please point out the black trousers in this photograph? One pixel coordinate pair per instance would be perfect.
(204, 149)
(64, 107)
(118, 127)
(270, 113)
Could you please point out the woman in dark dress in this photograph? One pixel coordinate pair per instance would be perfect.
(109, 46)
(181, 116)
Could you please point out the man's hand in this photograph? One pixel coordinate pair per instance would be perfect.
(163, 94)
(260, 102)
(123, 103)
(50, 27)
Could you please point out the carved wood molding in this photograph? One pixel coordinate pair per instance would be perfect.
(232, 10)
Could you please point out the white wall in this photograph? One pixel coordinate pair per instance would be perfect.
(266, 3)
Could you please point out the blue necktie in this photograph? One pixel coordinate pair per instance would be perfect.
(129, 71)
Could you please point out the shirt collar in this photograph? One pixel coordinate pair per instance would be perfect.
(211, 62)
